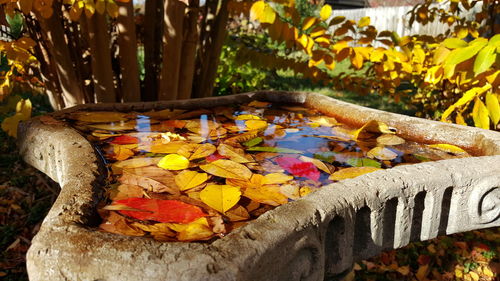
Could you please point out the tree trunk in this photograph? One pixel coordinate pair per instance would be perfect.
(188, 56)
(127, 42)
(209, 59)
(174, 13)
(53, 34)
(102, 71)
(47, 71)
(152, 48)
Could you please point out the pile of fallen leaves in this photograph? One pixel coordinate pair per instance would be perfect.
(179, 175)
(470, 256)
(26, 195)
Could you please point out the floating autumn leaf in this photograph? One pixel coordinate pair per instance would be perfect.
(173, 162)
(363, 162)
(118, 126)
(351, 172)
(247, 117)
(121, 152)
(194, 151)
(261, 104)
(162, 183)
(324, 121)
(256, 124)
(196, 230)
(214, 157)
(160, 147)
(117, 224)
(276, 178)
(235, 154)
(274, 149)
(137, 162)
(389, 139)
(370, 129)
(159, 231)
(125, 139)
(237, 213)
(266, 194)
(253, 142)
(98, 116)
(220, 197)
(124, 191)
(161, 210)
(298, 168)
(189, 179)
(382, 153)
(448, 148)
(164, 114)
(318, 163)
(227, 169)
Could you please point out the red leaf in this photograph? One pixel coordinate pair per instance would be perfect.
(299, 168)
(161, 210)
(215, 156)
(125, 140)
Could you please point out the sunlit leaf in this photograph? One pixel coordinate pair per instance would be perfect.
(382, 153)
(194, 151)
(274, 149)
(235, 154)
(480, 115)
(173, 162)
(364, 21)
(389, 139)
(262, 12)
(276, 178)
(227, 169)
(220, 197)
(493, 105)
(363, 162)
(161, 210)
(325, 12)
(352, 172)
(189, 179)
(450, 148)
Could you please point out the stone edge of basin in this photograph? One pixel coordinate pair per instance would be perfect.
(322, 233)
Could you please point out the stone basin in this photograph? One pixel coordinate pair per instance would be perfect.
(313, 238)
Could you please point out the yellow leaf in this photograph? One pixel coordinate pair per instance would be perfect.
(247, 117)
(474, 276)
(450, 148)
(480, 115)
(266, 194)
(308, 22)
(370, 128)
(262, 12)
(487, 271)
(318, 163)
(259, 104)
(173, 162)
(194, 151)
(357, 59)
(255, 124)
(189, 179)
(227, 169)
(98, 116)
(220, 197)
(137, 162)
(23, 113)
(121, 152)
(235, 154)
(388, 139)
(351, 172)
(171, 147)
(325, 12)
(493, 105)
(382, 153)
(364, 21)
(276, 178)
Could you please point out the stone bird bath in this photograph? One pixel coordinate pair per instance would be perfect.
(315, 237)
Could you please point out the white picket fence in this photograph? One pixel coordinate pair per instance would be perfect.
(396, 19)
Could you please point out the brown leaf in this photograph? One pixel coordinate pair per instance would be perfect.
(194, 151)
(235, 154)
(150, 178)
(227, 169)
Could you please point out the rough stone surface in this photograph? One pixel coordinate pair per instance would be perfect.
(317, 236)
